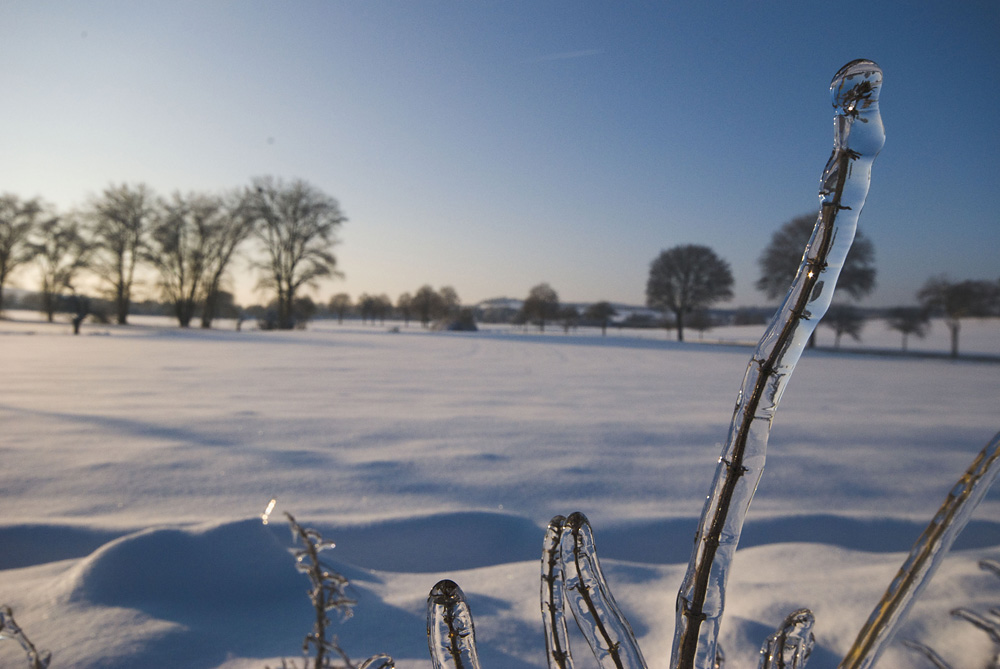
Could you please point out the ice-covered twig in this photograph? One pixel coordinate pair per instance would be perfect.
(380, 661)
(791, 644)
(924, 558)
(858, 137)
(328, 592)
(991, 627)
(927, 652)
(552, 598)
(451, 635)
(991, 566)
(589, 597)
(9, 629)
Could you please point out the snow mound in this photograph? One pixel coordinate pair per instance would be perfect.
(162, 570)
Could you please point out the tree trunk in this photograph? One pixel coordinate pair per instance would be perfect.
(49, 305)
(208, 309)
(680, 325)
(954, 327)
(185, 312)
(121, 305)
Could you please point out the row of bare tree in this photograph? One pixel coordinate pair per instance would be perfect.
(190, 241)
(687, 279)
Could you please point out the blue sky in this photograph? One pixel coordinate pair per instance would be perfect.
(495, 145)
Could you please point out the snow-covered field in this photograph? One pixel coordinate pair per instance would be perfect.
(137, 461)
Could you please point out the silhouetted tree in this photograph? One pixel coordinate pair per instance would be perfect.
(231, 227)
(909, 321)
(569, 316)
(701, 321)
(844, 319)
(686, 278)
(542, 304)
(296, 224)
(178, 247)
(366, 307)
(60, 251)
(427, 304)
(121, 217)
(959, 300)
(303, 309)
(17, 220)
(450, 304)
(600, 312)
(780, 260)
(405, 306)
(383, 307)
(339, 304)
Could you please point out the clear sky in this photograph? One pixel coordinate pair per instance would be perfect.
(495, 145)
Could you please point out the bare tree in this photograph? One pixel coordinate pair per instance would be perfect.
(844, 319)
(296, 224)
(60, 252)
(450, 302)
(909, 321)
(179, 240)
(121, 217)
(404, 304)
(686, 278)
(427, 304)
(383, 307)
(367, 307)
(702, 321)
(541, 305)
(339, 304)
(17, 220)
(959, 300)
(601, 312)
(231, 227)
(781, 259)
(569, 316)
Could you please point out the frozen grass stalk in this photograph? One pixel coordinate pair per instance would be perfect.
(328, 592)
(9, 629)
(924, 558)
(451, 636)
(552, 596)
(586, 592)
(858, 137)
(790, 646)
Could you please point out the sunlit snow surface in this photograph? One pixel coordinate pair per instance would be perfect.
(137, 462)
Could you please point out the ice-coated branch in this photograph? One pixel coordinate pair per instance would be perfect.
(791, 644)
(9, 629)
(924, 558)
(552, 600)
(991, 627)
(858, 137)
(589, 597)
(380, 661)
(451, 636)
(928, 653)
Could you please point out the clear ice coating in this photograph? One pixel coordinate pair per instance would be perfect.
(924, 558)
(451, 636)
(552, 598)
(589, 597)
(381, 661)
(791, 644)
(858, 137)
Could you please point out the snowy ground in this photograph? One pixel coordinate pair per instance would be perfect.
(137, 460)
